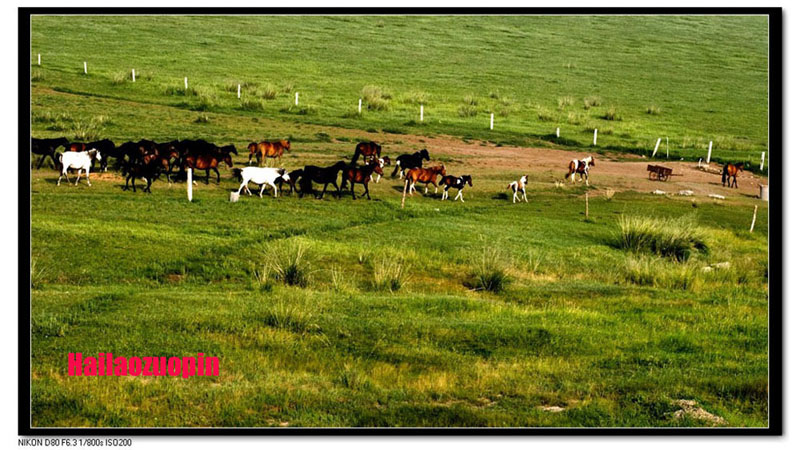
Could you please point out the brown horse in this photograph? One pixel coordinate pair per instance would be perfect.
(425, 176)
(367, 150)
(731, 171)
(360, 175)
(265, 149)
(208, 162)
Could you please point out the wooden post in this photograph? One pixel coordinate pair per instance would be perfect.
(558, 132)
(238, 91)
(594, 141)
(403, 202)
(753, 223)
(296, 98)
(708, 158)
(359, 106)
(133, 75)
(587, 205)
(658, 142)
(39, 58)
(85, 69)
(186, 83)
(189, 183)
(491, 122)
(421, 113)
(761, 168)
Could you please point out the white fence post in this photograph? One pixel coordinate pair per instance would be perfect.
(491, 122)
(238, 91)
(708, 158)
(296, 98)
(421, 113)
(658, 142)
(133, 75)
(186, 83)
(558, 132)
(762, 161)
(753, 223)
(39, 55)
(85, 69)
(359, 106)
(594, 141)
(189, 183)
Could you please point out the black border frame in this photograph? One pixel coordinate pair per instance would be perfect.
(775, 137)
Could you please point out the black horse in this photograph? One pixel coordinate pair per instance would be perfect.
(320, 175)
(106, 148)
(47, 147)
(148, 167)
(293, 177)
(411, 161)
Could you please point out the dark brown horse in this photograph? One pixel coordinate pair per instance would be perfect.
(360, 175)
(367, 150)
(425, 176)
(208, 162)
(265, 149)
(47, 147)
(731, 171)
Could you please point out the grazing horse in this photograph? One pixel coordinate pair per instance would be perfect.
(425, 176)
(265, 149)
(519, 186)
(320, 175)
(47, 147)
(261, 176)
(77, 160)
(731, 171)
(293, 176)
(459, 183)
(360, 175)
(581, 167)
(410, 161)
(366, 149)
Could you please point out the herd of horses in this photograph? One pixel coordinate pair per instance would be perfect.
(147, 160)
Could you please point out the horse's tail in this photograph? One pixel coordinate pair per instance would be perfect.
(396, 168)
(441, 182)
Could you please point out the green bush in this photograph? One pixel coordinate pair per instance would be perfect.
(285, 262)
(671, 238)
(376, 98)
(489, 273)
(389, 274)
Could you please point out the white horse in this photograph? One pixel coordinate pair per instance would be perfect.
(77, 160)
(581, 167)
(519, 186)
(261, 176)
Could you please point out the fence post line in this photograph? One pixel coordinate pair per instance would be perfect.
(189, 183)
(238, 91)
(761, 168)
(296, 98)
(658, 142)
(39, 59)
(558, 132)
(85, 69)
(359, 106)
(753, 223)
(491, 122)
(421, 113)
(708, 158)
(133, 75)
(594, 141)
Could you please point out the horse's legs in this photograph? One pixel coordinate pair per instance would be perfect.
(366, 191)
(243, 185)
(261, 192)
(353, 190)
(41, 160)
(525, 195)
(436, 186)
(87, 177)
(217, 171)
(133, 183)
(514, 200)
(461, 195)
(79, 177)
(63, 173)
(207, 175)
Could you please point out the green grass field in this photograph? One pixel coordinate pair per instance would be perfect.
(481, 313)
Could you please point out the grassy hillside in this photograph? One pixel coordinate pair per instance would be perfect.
(481, 313)
(692, 79)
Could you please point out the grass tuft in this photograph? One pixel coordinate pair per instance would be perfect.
(670, 238)
(489, 273)
(285, 262)
(389, 274)
(376, 98)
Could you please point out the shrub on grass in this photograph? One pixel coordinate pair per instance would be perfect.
(202, 118)
(268, 92)
(415, 98)
(290, 316)
(376, 98)
(653, 110)
(645, 270)
(489, 273)
(591, 101)
(38, 274)
(252, 104)
(612, 114)
(671, 238)
(89, 130)
(563, 102)
(119, 78)
(467, 111)
(37, 75)
(285, 262)
(545, 115)
(471, 99)
(389, 274)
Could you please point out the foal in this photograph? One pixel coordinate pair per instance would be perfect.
(519, 186)
(730, 171)
(426, 176)
(459, 183)
(581, 167)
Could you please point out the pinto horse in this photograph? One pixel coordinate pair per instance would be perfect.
(382, 162)
(320, 175)
(425, 176)
(731, 171)
(47, 147)
(459, 183)
(519, 186)
(265, 149)
(366, 149)
(410, 161)
(581, 167)
(360, 175)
